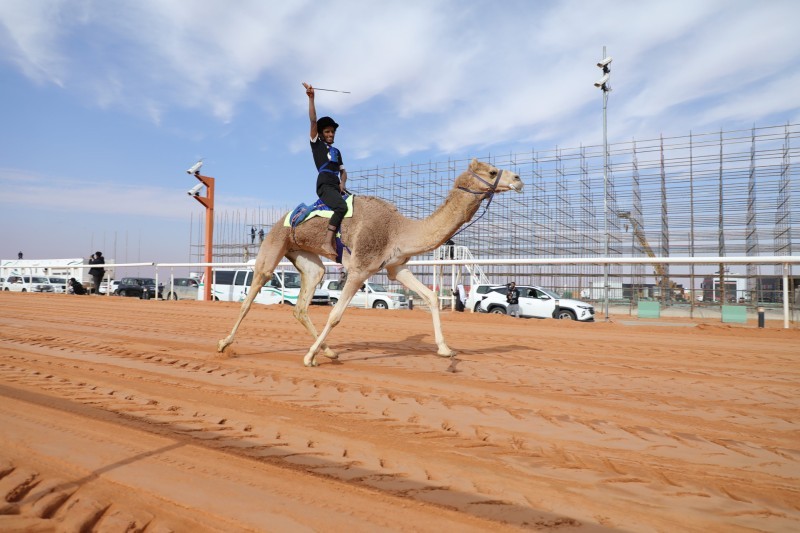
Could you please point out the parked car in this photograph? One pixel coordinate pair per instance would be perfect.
(538, 302)
(137, 287)
(182, 289)
(59, 284)
(476, 294)
(104, 286)
(371, 294)
(28, 284)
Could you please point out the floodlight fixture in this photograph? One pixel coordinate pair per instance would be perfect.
(194, 169)
(603, 63)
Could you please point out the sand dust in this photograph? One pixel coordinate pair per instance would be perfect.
(116, 415)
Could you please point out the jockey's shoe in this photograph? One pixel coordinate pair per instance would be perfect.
(329, 250)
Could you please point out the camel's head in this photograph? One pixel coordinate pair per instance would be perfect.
(485, 178)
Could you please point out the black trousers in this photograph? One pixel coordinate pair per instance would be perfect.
(329, 193)
(97, 278)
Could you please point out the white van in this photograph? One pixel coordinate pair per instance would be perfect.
(27, 284)
(233, 285)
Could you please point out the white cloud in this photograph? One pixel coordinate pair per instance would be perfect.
(30, 33)
(761, 99)
(439, 76)
(60, 194)
(427, 79)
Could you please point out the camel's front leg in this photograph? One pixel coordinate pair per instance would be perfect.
(334, 318)
(301, 314)
(353, 283)
(404, 276)
(312, 272)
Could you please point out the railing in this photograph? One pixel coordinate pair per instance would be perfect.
(784, 261)
(439, 264)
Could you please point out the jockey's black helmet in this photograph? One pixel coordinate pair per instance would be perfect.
(326, 122)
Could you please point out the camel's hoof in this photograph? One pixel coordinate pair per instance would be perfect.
(331, 355)
(310, 359)
(221, 345)
(448, 353)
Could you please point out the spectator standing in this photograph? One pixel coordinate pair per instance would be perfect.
(261, 235)
(19, 255)
(252, 235)
(512, 297)
(451, 248)
(459, 303)
(97, 273)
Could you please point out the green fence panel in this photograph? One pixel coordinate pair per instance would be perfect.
(734, 313)
(649, 310)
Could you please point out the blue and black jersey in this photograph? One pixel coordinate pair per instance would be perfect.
(328, 160)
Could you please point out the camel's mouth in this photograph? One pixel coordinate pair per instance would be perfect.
(516, 186)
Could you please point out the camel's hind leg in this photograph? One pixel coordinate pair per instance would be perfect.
(354, 281)
(404, 276)
(268, 258)
(311, 273)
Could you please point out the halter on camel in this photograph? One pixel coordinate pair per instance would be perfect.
(486, 194)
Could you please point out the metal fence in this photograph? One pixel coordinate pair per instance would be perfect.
(725, 193)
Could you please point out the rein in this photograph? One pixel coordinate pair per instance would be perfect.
(486, 194)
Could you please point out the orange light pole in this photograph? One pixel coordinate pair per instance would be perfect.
(208, 203)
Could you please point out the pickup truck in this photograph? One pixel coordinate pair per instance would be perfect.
(371, 294)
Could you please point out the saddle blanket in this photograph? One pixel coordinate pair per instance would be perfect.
(303, 212)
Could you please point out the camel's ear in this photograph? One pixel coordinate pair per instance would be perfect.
(474, 163)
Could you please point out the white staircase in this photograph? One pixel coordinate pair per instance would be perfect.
(462, 253)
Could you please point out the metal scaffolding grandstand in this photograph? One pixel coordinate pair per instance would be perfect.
(734, 193)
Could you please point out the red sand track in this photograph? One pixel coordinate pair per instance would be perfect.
(116, 415)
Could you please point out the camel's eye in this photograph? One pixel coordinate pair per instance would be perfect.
(493, 173)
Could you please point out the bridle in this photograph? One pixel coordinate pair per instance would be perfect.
(492, 186)
(486, 194)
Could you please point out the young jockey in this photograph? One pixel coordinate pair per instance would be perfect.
(330, 166)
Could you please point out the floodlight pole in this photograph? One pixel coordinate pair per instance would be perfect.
(605, 191)
(208, 203)
(603, 85)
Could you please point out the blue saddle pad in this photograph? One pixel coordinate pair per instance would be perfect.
(303, 211)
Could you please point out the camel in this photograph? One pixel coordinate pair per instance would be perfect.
(377, 237)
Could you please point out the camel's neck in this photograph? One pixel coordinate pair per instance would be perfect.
(432, 232)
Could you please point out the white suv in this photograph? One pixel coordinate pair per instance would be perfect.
(59, 285)
(104, 286)
(537, 302)
(477, 293)
(371, 294)
(182, 289)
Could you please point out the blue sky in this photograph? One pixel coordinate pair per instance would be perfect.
(106, 103)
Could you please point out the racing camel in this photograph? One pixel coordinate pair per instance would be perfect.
(377, 236)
